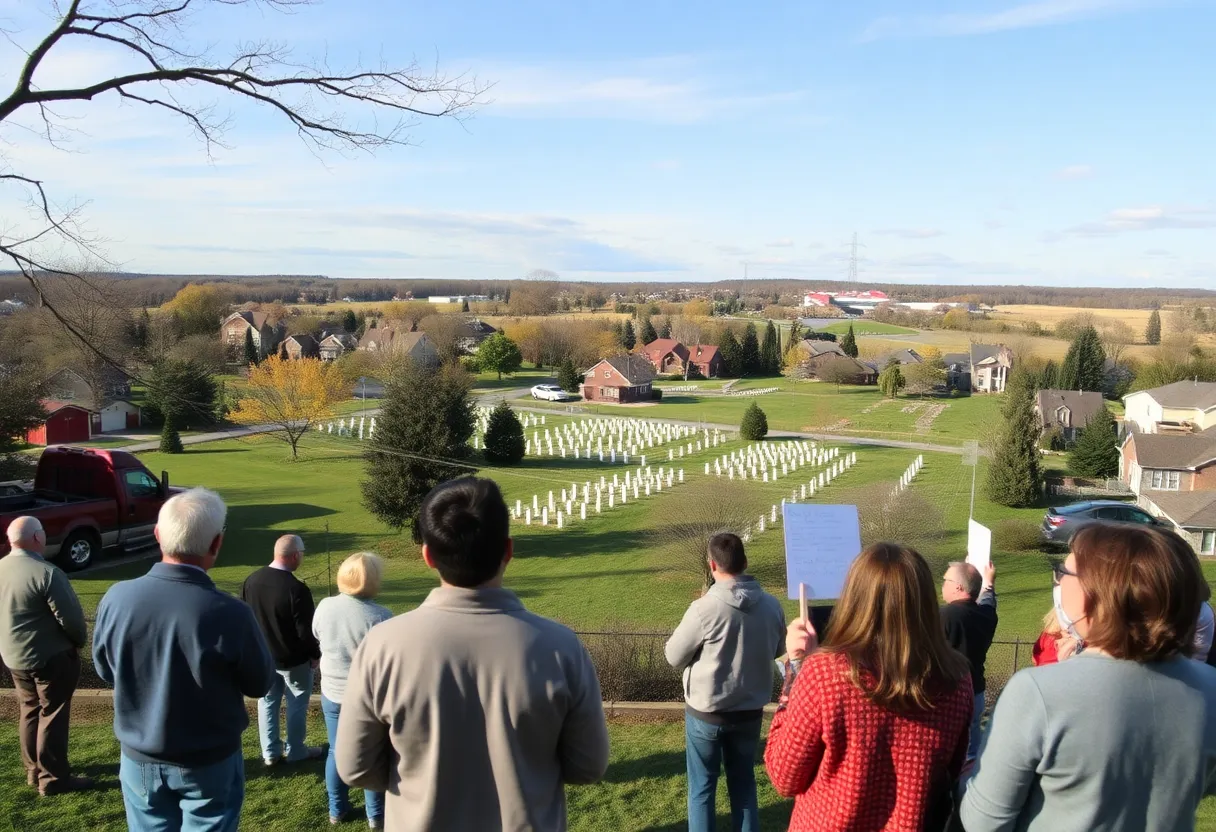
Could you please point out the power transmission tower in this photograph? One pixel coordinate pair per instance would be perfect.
(853, 259)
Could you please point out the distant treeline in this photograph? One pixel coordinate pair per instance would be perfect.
(154, 290)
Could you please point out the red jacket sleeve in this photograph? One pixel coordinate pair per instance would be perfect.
(795, 739)
(1044, 651)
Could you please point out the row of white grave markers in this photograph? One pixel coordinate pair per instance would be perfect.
(765, 463)
(613, 440)
(804, 492)
(905, 479)
(481, 417)
(597, 497)
(760, 392)
(365, 429)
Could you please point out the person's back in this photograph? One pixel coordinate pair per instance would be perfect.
(32, 629)
(470, 711)
(1133, 751)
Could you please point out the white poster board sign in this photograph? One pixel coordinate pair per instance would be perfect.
(979, 545)
(821, 543)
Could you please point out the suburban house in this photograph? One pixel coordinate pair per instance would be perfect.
(266, 336)
(827, 361)
(336, 345)
(65, 423)
(475, 331)
(300, 346)
(902, 357)
(110, 407)
(669, 357)
(391, 340)
(1150, 462)
(1066, 410)
(706, 359)
(984, 369)
(1192, 513)
(1181, 407)
(621, 379)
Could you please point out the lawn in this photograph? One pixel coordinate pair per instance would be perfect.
(644, 789)
(864, 327)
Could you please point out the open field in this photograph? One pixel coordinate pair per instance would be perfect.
(1051, 316)
(864, 327)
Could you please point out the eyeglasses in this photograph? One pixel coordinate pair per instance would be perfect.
(1059, 570)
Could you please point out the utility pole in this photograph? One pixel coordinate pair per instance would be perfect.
(853, 259)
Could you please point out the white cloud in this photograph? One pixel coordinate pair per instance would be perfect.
(1023, 16)
(1075, 172)
(1148, 218)
(910, 233)
(784, 242)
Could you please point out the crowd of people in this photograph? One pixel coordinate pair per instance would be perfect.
(471, 713)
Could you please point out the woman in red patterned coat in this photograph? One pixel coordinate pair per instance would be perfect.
(872, 733)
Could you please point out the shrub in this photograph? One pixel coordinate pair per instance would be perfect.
(755, 424)
(504, 436)
(1017, 536)
(656, 394)
(170, 440)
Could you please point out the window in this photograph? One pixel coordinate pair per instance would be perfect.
(141, 484)
(1109, 513)
(1207, 543)
(1135, 515)
(1166, 480)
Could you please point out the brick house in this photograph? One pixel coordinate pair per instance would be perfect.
(1067, 410)
(667, 356)
(266, 336)
(299, 346)
(335, 345)
(1193, 515)
(620, 380)
(706, 359)
(1151, 462)
(393, 341)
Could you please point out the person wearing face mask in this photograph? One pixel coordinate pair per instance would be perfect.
(1122, 736)
(1056, 642)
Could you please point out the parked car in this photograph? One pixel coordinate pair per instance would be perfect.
(551, 393)
(89, 500)
(1060, 524)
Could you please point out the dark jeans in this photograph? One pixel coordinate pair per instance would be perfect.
(709, 748)
(45, 697)
(339, 792)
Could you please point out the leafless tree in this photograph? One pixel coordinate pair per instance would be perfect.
(1116, 337)
(705, 507)
(168, 70)
(906, 517)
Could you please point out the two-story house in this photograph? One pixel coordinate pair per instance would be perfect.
(621, 379)
(266, 336)
(1181, 407)
(1066, 410)
(389, 340)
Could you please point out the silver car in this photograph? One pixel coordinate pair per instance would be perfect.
(1060, 524)
(551, 393)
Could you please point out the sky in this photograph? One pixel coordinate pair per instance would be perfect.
(1041, 142)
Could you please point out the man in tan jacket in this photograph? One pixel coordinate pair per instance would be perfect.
(471, 712)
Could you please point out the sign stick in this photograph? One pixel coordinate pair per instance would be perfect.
(802, 611)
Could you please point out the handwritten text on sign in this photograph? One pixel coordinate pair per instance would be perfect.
(821, 543)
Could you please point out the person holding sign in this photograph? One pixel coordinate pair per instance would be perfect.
(725, 646)
(970, 619)
(871, 729)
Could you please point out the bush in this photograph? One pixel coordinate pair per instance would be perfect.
(504, 436)
(656, 394)
(755, 424)
(1017, 536)
(170, 440)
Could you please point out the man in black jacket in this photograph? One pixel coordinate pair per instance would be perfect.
(283, 607)
(969, 616)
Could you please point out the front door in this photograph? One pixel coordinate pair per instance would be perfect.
(143, 504)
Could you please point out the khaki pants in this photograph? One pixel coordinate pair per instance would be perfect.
(45, 696)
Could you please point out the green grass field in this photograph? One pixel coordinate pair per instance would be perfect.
(864, 327)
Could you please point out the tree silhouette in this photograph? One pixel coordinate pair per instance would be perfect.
(1152, 333)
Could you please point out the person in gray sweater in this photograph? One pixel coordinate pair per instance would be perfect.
(339, 625)
(1122, 736)
(725, 647)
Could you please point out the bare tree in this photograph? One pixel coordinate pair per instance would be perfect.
(706, 507)
(906, 517)
(1116, 337)
(154, 37)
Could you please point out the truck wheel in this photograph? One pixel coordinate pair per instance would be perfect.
(78, 551)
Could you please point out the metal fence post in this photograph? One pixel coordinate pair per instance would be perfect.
(329, 568)
(1017, 644)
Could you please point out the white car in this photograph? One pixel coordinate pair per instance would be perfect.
(551, 393)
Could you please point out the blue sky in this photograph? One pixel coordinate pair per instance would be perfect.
(1057, 142)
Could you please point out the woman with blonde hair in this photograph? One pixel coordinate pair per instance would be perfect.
(873, 732)
(1123, 735)
(340, 624)
(1054, 644)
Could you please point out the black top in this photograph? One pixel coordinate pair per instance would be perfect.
(970, 627)
(283, 608)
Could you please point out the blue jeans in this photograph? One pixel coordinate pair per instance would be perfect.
(709, 748)
(166, 798)
(339, 792)
(977, 714)
(296, 684)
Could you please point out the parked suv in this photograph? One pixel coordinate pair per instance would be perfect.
(1060, 524)
(551, 393)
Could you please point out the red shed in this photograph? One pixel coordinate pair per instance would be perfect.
(65, 423)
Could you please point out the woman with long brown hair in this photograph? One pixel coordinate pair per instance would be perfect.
(1123, 735)
(873, 732)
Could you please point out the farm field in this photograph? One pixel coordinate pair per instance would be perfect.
(864, 327)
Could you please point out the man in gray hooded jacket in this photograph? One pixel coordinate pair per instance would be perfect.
(725, 646)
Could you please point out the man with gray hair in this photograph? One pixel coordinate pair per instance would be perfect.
(969, 616)
(283, 607)
(42, 629)
(182, 656)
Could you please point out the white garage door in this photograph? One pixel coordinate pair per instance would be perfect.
(113, 420)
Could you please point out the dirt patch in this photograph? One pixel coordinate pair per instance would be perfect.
(925, 421)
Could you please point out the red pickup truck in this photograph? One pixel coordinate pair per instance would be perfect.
(89, 500)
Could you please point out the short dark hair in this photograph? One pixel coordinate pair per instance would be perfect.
(1143, 590)
(969, 578)
(726, 550)
(465, 526)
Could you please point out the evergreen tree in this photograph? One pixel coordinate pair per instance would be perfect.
(1014, 476)
(647, 334)
(181, 392)
(421, 439)
(1084, 366)
(1050, 378)
(251, 350)
(464, 305)
(732, 355)
(349, 322)
(770, 351)
(1152, 333)
(849, 343)
(170, 439)
(1096, 453)
(754, 425)
(751, 362)
(628, 339)
(891, 380)
(665, 329)
(795, 333)
(568, 376)
(504, 439)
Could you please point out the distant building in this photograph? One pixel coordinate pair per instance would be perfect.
(857, 302)
(1184, 406)
(266, 336)
(475, 331)
(295, 347)
(447, 299)
(1066, 410)
(390, 340)
(65, 423)
(336, 345)
(985, 369)
(620, 380)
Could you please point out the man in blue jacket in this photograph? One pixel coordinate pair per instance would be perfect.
(182, 656)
